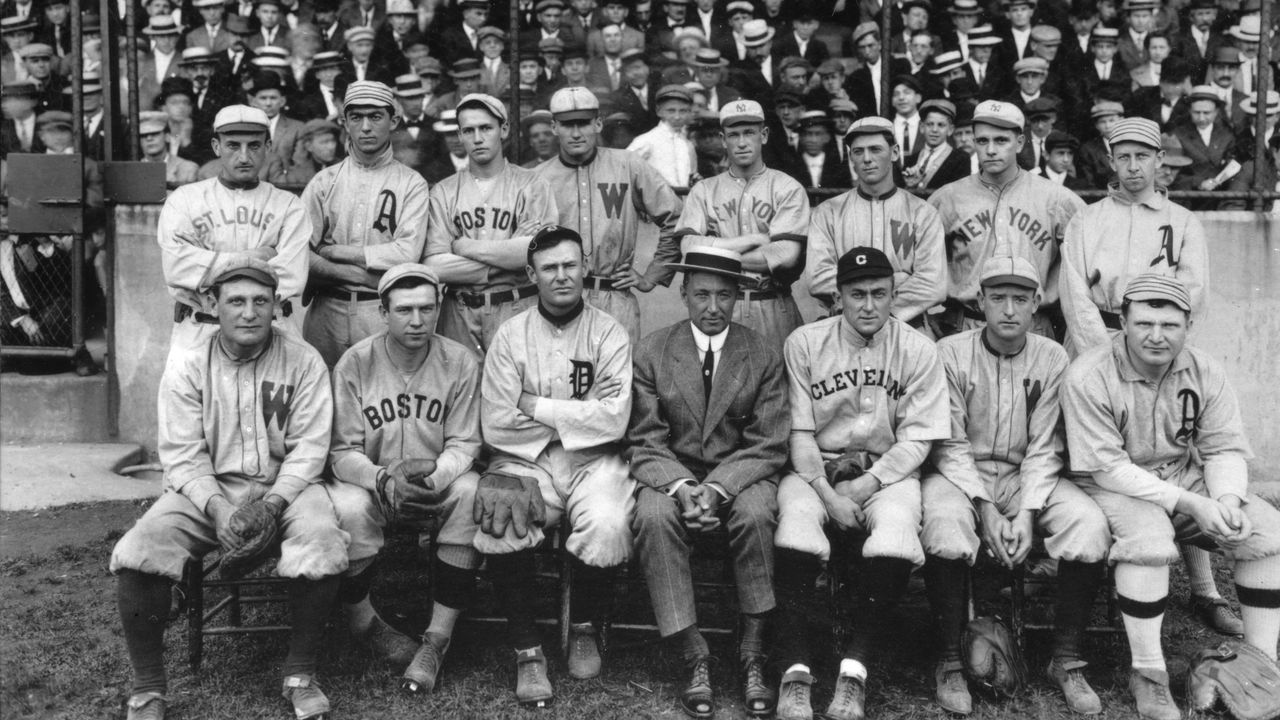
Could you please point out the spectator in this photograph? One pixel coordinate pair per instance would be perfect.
(988, 76)
(615, 13)
(947, 67)
(617, 131)
(543, 142)
(1209, 143)
(575, 66)
(843, 113)
(1173, 164)
(332, 28)
(1268, 179)
(369, 14)
(793, 75)
(819, 164)
(759, 72)
(711, 21)
(38, 60)
(1102, 65)
(1197, 41)
(962, 135)
(1016, 41)
(788, 107)
(450, 162)
(271, 28)
(17, 33)
(708, 143)
(801, 41)
(188, 139)
(304, 44)
(237, 58)
(18, 133)
(1139, 21)
(964, 16)
(938, 162)
(1042, 116)
(661, 31)
(1083, 18)
(212, 88)
(318, 147)
(318, 100)
(909, 137)
(1156, 49)
(867, 80)
(1059, 165)
(666, 147)
(552, 50)
(1030, 74)
(1246, 36)
(1222, 73)
(636, 97)
(604, 69)
(734, 49)
(550, 24)
(363, 65)
(57, 31)
(1093, 165)
(1246, 143)
(398, 32)
(409, 92)
(1166, 103)
(268, 95)
(212, 33)
(709, 69)
(495, 74)
(833, 84)
(915, 20)
(919, 51)
(153, 136)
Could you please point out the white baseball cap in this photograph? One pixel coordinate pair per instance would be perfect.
(241, 118)
(741, 111)
(574, 103)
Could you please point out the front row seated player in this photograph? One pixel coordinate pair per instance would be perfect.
(406, 433)
(868, 387)
(244, 428)
(1183, 480)
(997, 481)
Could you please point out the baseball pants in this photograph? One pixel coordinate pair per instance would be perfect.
(773, 319)
(362, 516)
(621, 305)
(893, 517)
(332, 325)
(594, 491)
(475, 327)
(174, 530)
(1144, 534)
(663, 544)
(1072, 525)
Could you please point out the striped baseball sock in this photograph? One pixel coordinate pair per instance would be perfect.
(1258, 587)
(1143, 592)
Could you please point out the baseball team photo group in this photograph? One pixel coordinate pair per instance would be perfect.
(634, 374)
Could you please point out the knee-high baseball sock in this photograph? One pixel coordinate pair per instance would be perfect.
(1143, 592)
(692, 643)
(309, 604)
(1258, 587)
(454, 588)
(944, 583)
(353, 593)
(513, 579)
(1200, 571)
(751, 644)
(143, 600)
(884, 580)
(795, 574)
(592, 591)
(1077, 586)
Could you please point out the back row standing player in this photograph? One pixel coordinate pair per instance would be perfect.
(480, 223)
(603, 193)
(758, 212)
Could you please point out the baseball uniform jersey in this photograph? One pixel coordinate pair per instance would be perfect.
(1027, 217)
(769, 202)
(1113, 241)
(899, 224)
(605, 200)
(381, 207)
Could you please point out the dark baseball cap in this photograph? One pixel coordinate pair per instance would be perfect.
(861, 263)
(549, 236)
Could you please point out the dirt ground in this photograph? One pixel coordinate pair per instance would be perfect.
(62, 654)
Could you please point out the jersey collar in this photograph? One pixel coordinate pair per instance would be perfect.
(855, 338)
(565, 161)
(1155, 202)
(986, 344)
(562, 320)
(867, 196)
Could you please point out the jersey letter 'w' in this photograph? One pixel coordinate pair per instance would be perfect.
(277, 400)
(612, 195)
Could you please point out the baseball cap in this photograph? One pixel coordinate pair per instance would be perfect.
(152, 121)
(548, 236)
(999, 114)
(489, 103)
(840, 105)
(1136, 129)
(1009, 270)
(860, 263)
(1058, 139)
(246, 266)
(741, 111)
(54, 118)
(946, 107)
(1046, 34)
(1103, 108)
(396, 273)
(1154, 286)
(1031, 65)
(315, 127)
(631, 55)
(864, 29)
(241, 118)
(870, 125)
(574, 103)
(35, 50)
(718, 261)
(370, 93)
(831, 66)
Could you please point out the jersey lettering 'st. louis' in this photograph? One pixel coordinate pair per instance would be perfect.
(852, 378)
(484, 216)
(1037, 234)
(240, 215)
(403, 406)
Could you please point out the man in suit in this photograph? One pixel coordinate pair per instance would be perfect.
(707, 442)
(833, 84)
(238, 56)
(908, 133)
(981, 67)
(1222, 73)
(462, 39)
(937, 163)
(615, 14)
(268, 95)
(757, 76)
(495, 74)
(272, 30)
(1165, 103)
(801, 40)
(1015, 40)
(398, 32)
(1209, 143)
(1030, 75)
(709, 69)
(1196, 43)
(162, 62)
(604, 68)
(325, 18)
(868, 78)
(1139, 20)
(550, 24)
(636, 96)
(1093, 162)
(364, 13)
(818, 164)
(1102, 65)
(661, 30)
(211, 34)
(1059, 166)
(18, 129)
(318, 99)
(710, 17)
(363, 65)
(17, 33)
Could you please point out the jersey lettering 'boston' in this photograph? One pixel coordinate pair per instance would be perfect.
(240, 215)
(852, 378)
(484, 216)
(403, 406)
(1039, 235)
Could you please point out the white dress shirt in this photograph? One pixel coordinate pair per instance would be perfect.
(669, 152)
(904, 131)
(163, 62)
(814, 163)
(1103, 69)
(1020, 40)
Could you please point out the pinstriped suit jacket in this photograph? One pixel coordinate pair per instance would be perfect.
(737, 439)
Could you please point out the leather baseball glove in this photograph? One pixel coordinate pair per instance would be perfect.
(845, 467)
(404, 492)
(254, 534)
(503, 499)
(1239, 676)
(993, 657)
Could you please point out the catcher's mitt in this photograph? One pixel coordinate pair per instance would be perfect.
(404, 493)
(992, 656)
(1238, 675)
(254, 534)
(502, 499)
(845, 467)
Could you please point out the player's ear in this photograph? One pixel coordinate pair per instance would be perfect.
(506, 130)
(533, 277)
(764, 134)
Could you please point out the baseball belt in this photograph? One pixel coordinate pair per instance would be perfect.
(481, 299)
(774, 294)
(346, 295)
(182, 312)
(1110, 319)
(595, 282)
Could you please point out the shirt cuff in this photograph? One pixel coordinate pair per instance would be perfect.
(200, 490)
(288, 487)
(544, 411)
(675, 485)
(721, 491)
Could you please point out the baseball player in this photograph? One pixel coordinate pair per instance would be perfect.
(1003, 210)
(480, 223)
(756, 211)
(995, 482)
(1155, 430)
(1137, 229)
(406, 432)
(868, 396)
(368, 212)
(555, 400)
(876, 213)
(707, 443)
(603, 194)
(244, 425)
(233, 214)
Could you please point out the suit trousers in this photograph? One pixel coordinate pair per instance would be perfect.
(663, 544)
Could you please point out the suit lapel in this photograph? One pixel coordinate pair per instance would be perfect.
(689, 370)
(728, 380)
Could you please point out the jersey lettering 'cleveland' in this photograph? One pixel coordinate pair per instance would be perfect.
(854, 378)
(403, 406)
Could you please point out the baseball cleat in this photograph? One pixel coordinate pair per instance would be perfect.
(1216, 614)
(794, 697)
(696, 699)
(848, 701)
(309, 702)
(1068, 675)
(146, 706)
(584, 651)
(1150, 689)
(423, 671)
(533, 687)
(757, 696)
(388, 644)
(951, 688)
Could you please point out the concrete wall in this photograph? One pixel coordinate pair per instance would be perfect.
(1243, 327)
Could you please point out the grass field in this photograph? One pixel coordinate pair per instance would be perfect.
(62, 653)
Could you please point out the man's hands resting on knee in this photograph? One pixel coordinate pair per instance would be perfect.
(1223, 520)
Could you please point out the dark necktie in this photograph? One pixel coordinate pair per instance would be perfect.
(708, 369)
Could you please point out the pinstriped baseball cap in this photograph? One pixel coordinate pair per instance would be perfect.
(1154, 286)
(368, 93)
(1138, 130)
